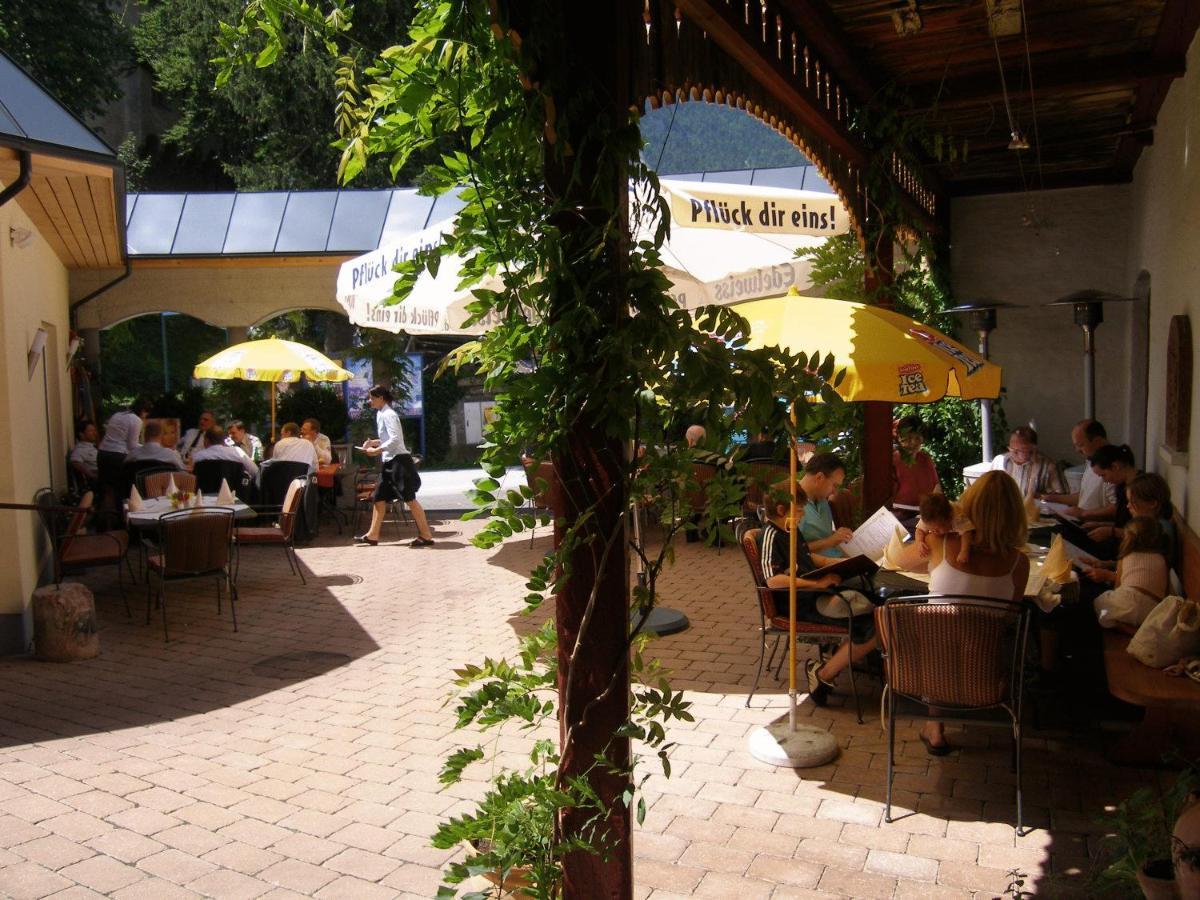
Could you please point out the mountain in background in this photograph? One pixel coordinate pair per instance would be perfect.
(706, 137)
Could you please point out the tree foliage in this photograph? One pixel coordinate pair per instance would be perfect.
(264, 129)
(77, 49)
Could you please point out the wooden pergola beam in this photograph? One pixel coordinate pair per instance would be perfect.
(1081, 75)
(825, 35)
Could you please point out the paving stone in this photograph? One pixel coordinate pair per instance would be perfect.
(29, 881)
(102, 874)
(53, 852)
(296, 875)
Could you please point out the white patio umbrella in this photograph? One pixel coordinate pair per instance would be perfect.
(729, 243)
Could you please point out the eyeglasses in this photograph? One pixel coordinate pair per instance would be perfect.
(1023, 450)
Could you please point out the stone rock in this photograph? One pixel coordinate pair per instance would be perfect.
(64, 623)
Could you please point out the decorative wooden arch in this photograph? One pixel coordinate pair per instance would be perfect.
(733, 99)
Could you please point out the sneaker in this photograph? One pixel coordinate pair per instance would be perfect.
(817, 689)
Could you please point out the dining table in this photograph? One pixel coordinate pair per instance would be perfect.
(327, 475)
(155, 508)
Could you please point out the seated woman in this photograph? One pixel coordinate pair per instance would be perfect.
(996, 567)
(1147, 495)
(812, 595)
(1140, 578)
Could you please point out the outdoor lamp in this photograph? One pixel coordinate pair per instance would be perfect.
(1088, 306)
(981, 318)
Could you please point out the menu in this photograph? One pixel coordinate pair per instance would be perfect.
(871, 538)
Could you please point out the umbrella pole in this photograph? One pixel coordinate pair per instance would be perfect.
(792, 582)
(272, 389)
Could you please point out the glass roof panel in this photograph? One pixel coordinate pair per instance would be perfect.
(306, 222)
(254, 224)
(358, 220)
(203, 224)
(408, 212)
(151, 228)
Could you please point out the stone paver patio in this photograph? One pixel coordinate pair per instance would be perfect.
(299, 757)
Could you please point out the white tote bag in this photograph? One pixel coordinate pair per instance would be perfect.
(1123, 606)
(1170, 632)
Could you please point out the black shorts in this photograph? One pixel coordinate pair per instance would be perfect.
(399, 480)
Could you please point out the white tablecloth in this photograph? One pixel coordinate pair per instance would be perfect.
(152, 510)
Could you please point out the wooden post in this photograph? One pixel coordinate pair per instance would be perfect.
(586, 72)
(877, 425)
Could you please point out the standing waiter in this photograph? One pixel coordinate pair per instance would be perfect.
(399, 479)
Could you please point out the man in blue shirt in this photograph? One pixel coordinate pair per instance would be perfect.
(823, 477)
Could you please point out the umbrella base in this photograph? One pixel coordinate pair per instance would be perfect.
(777, 744)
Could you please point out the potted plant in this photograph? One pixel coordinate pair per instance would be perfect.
(1136, 853)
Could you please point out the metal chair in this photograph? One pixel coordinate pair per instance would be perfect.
(365, 480)
(73, 548)
(958, 654)
(281, 535)
(153, 482)
(211, 472)
(192, 543)
(773, 623)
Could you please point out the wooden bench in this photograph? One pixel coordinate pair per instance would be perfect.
(1172, 704)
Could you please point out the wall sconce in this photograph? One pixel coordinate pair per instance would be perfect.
(19, 237)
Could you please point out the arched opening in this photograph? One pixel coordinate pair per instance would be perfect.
(153, 354)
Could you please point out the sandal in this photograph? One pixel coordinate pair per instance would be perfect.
(421, 542)
(942, 749)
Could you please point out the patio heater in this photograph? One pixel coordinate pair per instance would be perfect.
(981, 318)
(1088, 306)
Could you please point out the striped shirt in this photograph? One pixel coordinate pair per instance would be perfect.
(1039, 475)
(773, 552)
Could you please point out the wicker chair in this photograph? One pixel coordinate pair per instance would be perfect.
(771, 622)
(192, 543)
(281, 535)
(542, 481)
(950, 655)
(759, 478)
(73, 549)
(154, 483)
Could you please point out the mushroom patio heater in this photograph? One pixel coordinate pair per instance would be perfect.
(1088, 306)
(981, 318)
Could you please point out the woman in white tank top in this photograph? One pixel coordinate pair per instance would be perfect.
(997, 568)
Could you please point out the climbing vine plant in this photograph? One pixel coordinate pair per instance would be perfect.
(469, 78)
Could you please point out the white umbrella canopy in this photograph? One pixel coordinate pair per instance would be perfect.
(728, 243)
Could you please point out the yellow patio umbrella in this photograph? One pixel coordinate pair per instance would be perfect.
(887, 356)
(273, 360)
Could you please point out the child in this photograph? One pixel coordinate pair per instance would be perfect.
(939, 516)
(1140, 580)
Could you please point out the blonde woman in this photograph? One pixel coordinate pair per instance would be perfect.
(997, 566)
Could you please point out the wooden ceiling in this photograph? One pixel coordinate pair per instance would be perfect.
(1095, 71)
(73, 204)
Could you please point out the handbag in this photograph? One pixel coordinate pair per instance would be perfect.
(1170, 632)
(1123, 606)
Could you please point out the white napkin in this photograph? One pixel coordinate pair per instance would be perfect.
(895, 547)
(171, 489)
(197, 500)
(135, 500)
(225, 496)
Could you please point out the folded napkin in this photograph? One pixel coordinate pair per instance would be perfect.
(135, 500)
(895, 548)
(1032, 511)
(171, 489)
(197, 500)
(225, 496)
(1057, 565)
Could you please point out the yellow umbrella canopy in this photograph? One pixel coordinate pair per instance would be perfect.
(887, 356)
(273, 360)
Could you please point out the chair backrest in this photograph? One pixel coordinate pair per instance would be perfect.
(954, 652)
(79, 518)
(195, 541)
(274, 478)
(134, 468)
(292, 501)
(766, 597)
(759, 478)
(842, 505)
(697, 494)
(211, 472)
(153, 482)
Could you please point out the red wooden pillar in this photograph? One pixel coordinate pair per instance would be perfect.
(586, 72)
(877, 425)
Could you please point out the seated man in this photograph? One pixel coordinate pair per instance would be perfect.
(291, 446)
(310, 430)
(193, 438)
(1095, 499)
(83, 454)
(216, 448)
(694, 435)
(1034, 474)
(813, 604)
(237, 436)
(824, 474)
(153, 448)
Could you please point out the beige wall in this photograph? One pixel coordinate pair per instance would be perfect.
(237, 293)
(1165, 244)
(33, 294)
(1029, 249)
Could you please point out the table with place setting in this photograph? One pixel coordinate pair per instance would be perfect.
(155, 508)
